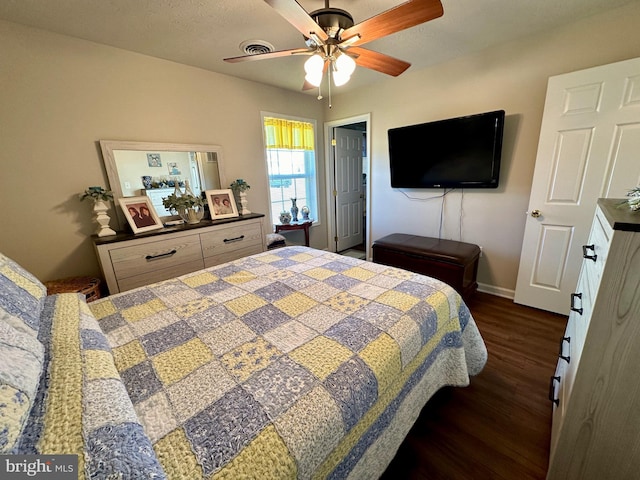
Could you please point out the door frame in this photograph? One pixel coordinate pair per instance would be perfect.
(330, 178)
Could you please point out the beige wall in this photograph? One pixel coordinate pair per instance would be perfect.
(59, 96)
(512, 77)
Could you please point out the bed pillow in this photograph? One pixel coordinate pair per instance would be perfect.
(21, 297)
(21, 359)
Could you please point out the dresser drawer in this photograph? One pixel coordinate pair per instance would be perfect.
(231, 255)
(596, 251)
(152, 258)
(224, 241)
(557, 396)
(159, 275)
(581, 309)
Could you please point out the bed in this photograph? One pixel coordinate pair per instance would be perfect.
(292, 363)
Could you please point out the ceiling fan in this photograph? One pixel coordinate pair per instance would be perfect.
(333, 40)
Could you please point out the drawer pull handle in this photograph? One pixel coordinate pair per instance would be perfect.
(589, 247)
(552, 390)
(235, 239)
(568, 357)
(161, 255)
(573, 297)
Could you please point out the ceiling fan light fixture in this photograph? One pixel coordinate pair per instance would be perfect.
(345, 64)
(342, 68)
(339, 78)
(314, 68)
(314, 65)
(314, 79)
(329, 32)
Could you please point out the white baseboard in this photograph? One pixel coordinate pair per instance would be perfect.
(497, 291)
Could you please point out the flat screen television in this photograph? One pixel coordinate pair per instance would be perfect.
(461, 152)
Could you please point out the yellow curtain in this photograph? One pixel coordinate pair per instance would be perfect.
(288, 134)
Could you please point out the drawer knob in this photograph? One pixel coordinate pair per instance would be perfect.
(235, 239)
(573, 298)
(161, 255)
(586, 255)
(568, 357)
(552, 397)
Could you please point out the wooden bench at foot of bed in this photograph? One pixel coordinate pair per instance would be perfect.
(455, 263)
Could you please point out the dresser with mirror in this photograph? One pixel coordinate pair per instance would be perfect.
(149, 169)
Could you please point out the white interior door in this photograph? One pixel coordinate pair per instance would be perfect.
(348, 192)
(588, 148)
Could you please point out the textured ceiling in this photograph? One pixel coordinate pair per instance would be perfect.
(203, 32)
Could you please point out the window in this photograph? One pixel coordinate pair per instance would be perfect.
(291, 165)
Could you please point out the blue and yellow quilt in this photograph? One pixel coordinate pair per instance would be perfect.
(293, 363)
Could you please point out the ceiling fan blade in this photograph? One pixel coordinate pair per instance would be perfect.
(405, 15)
(378, 61)
(266, 56)
(297, 16)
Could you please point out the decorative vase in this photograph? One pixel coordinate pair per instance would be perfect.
(305, 213)
(146, 181)
(243, 204)
(192, 215)
(285, 218)
(100, 216)
(294, 210)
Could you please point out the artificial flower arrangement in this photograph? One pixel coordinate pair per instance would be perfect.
(239, 186)
(182, 202)
(97, 193)
(634, 199)
(163, 182)
(189, 207)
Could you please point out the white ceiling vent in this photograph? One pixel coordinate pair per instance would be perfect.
(256, 47)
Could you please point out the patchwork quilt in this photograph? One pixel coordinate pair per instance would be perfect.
(292, 363)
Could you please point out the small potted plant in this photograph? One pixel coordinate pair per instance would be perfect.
(189, 207)
(240, 185)
(633, 199)
(98, 194)
(100, 197)
(239, 188)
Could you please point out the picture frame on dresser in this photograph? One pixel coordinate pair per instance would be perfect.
(222, 204)
(140, 214)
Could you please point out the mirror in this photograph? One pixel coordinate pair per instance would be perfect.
(142, 168)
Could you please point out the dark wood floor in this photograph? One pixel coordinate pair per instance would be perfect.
(498, 427)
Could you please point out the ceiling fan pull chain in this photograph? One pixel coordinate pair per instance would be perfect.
(329, 76)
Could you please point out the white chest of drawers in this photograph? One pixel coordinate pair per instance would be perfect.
(130, 261)
(596, 387)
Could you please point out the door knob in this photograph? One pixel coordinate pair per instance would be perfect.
(536, 213)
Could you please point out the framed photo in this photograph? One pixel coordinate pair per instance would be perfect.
(140, 214)
(173, 168)
(153, 160)
(222, 204)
